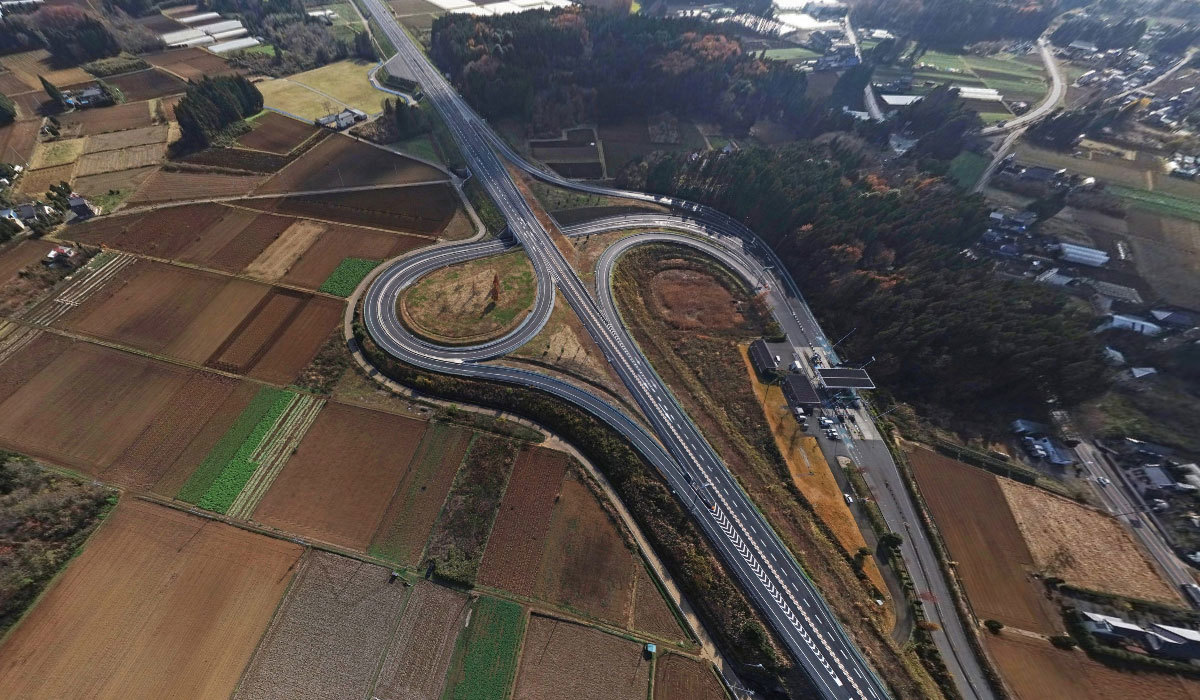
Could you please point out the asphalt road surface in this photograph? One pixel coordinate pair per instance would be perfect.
(1058, 89)
(764, 568)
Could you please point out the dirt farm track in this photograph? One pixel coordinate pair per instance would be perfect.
(160, 604)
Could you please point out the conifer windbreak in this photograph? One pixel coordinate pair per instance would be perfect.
(213, 104)
(8, 111)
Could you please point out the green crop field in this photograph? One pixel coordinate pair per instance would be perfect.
(346, 276)
(966, 168)
(487, 658)
(1158, 202)
(791, 53)
(227, 468)
(1017, 80)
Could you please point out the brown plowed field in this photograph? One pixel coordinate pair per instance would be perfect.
(244, 348)
(17, 257)
(124, 180)
(215, 320)
(586, 563)
(164, 234)
(166, 186)
(565, 660)
(421, 209)
(122, 159)
(211, 235)
(1084, 546)
(29, 105)
(220, 418)
(514, 549)
(278, 257)
(276, 133)
(651, 612)
(339, 242)
(35, 183)
(30, 64)
(191, 63)
(409, 519)
(87, 406)
(166, 309)
(159, 604)
(337, 485)
(330, 634)
(415, 667)
(978, 528)
(340, 161)
(1035, 670)
(237, 159)
(18, 139)
(146, 84)
(299, 342)
(86, 122)
(127, 139)
(28, 362)
(163, 441)
(246, 241)
(11, 84)
(680, 678)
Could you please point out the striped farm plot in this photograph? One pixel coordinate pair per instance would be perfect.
(274, 452)
(240, 468)
(14, 337)
(82, 285)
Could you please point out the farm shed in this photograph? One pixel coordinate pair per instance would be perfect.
(761, 357)
(1082, 255)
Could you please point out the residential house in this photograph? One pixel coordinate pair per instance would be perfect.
(10, 215)
(1131, 323)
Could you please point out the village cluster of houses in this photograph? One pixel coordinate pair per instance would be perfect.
(1115, 70)
(24, 215)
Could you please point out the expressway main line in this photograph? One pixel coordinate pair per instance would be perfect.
(765, 569)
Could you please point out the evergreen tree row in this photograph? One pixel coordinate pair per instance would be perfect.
(212, 104)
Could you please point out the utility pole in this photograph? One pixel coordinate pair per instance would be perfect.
(839, 342)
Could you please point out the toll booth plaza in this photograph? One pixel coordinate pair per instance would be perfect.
(835, 378)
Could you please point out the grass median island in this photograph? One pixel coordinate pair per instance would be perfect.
(470, 302)
(227, 468)
(486, 660)
(345, 277)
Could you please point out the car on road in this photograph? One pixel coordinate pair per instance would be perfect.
(1103, 480)
(849, 498)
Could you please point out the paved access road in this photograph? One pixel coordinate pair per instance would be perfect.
(1058, 90)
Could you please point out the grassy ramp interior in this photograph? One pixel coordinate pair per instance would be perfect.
(471, 302)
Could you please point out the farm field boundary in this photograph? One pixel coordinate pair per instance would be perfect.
(274, 450)
(95, 275)
(223, 474)
(405, 527)
(486, 659)
(1158, 202)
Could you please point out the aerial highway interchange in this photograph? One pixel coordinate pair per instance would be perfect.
(752, 551)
